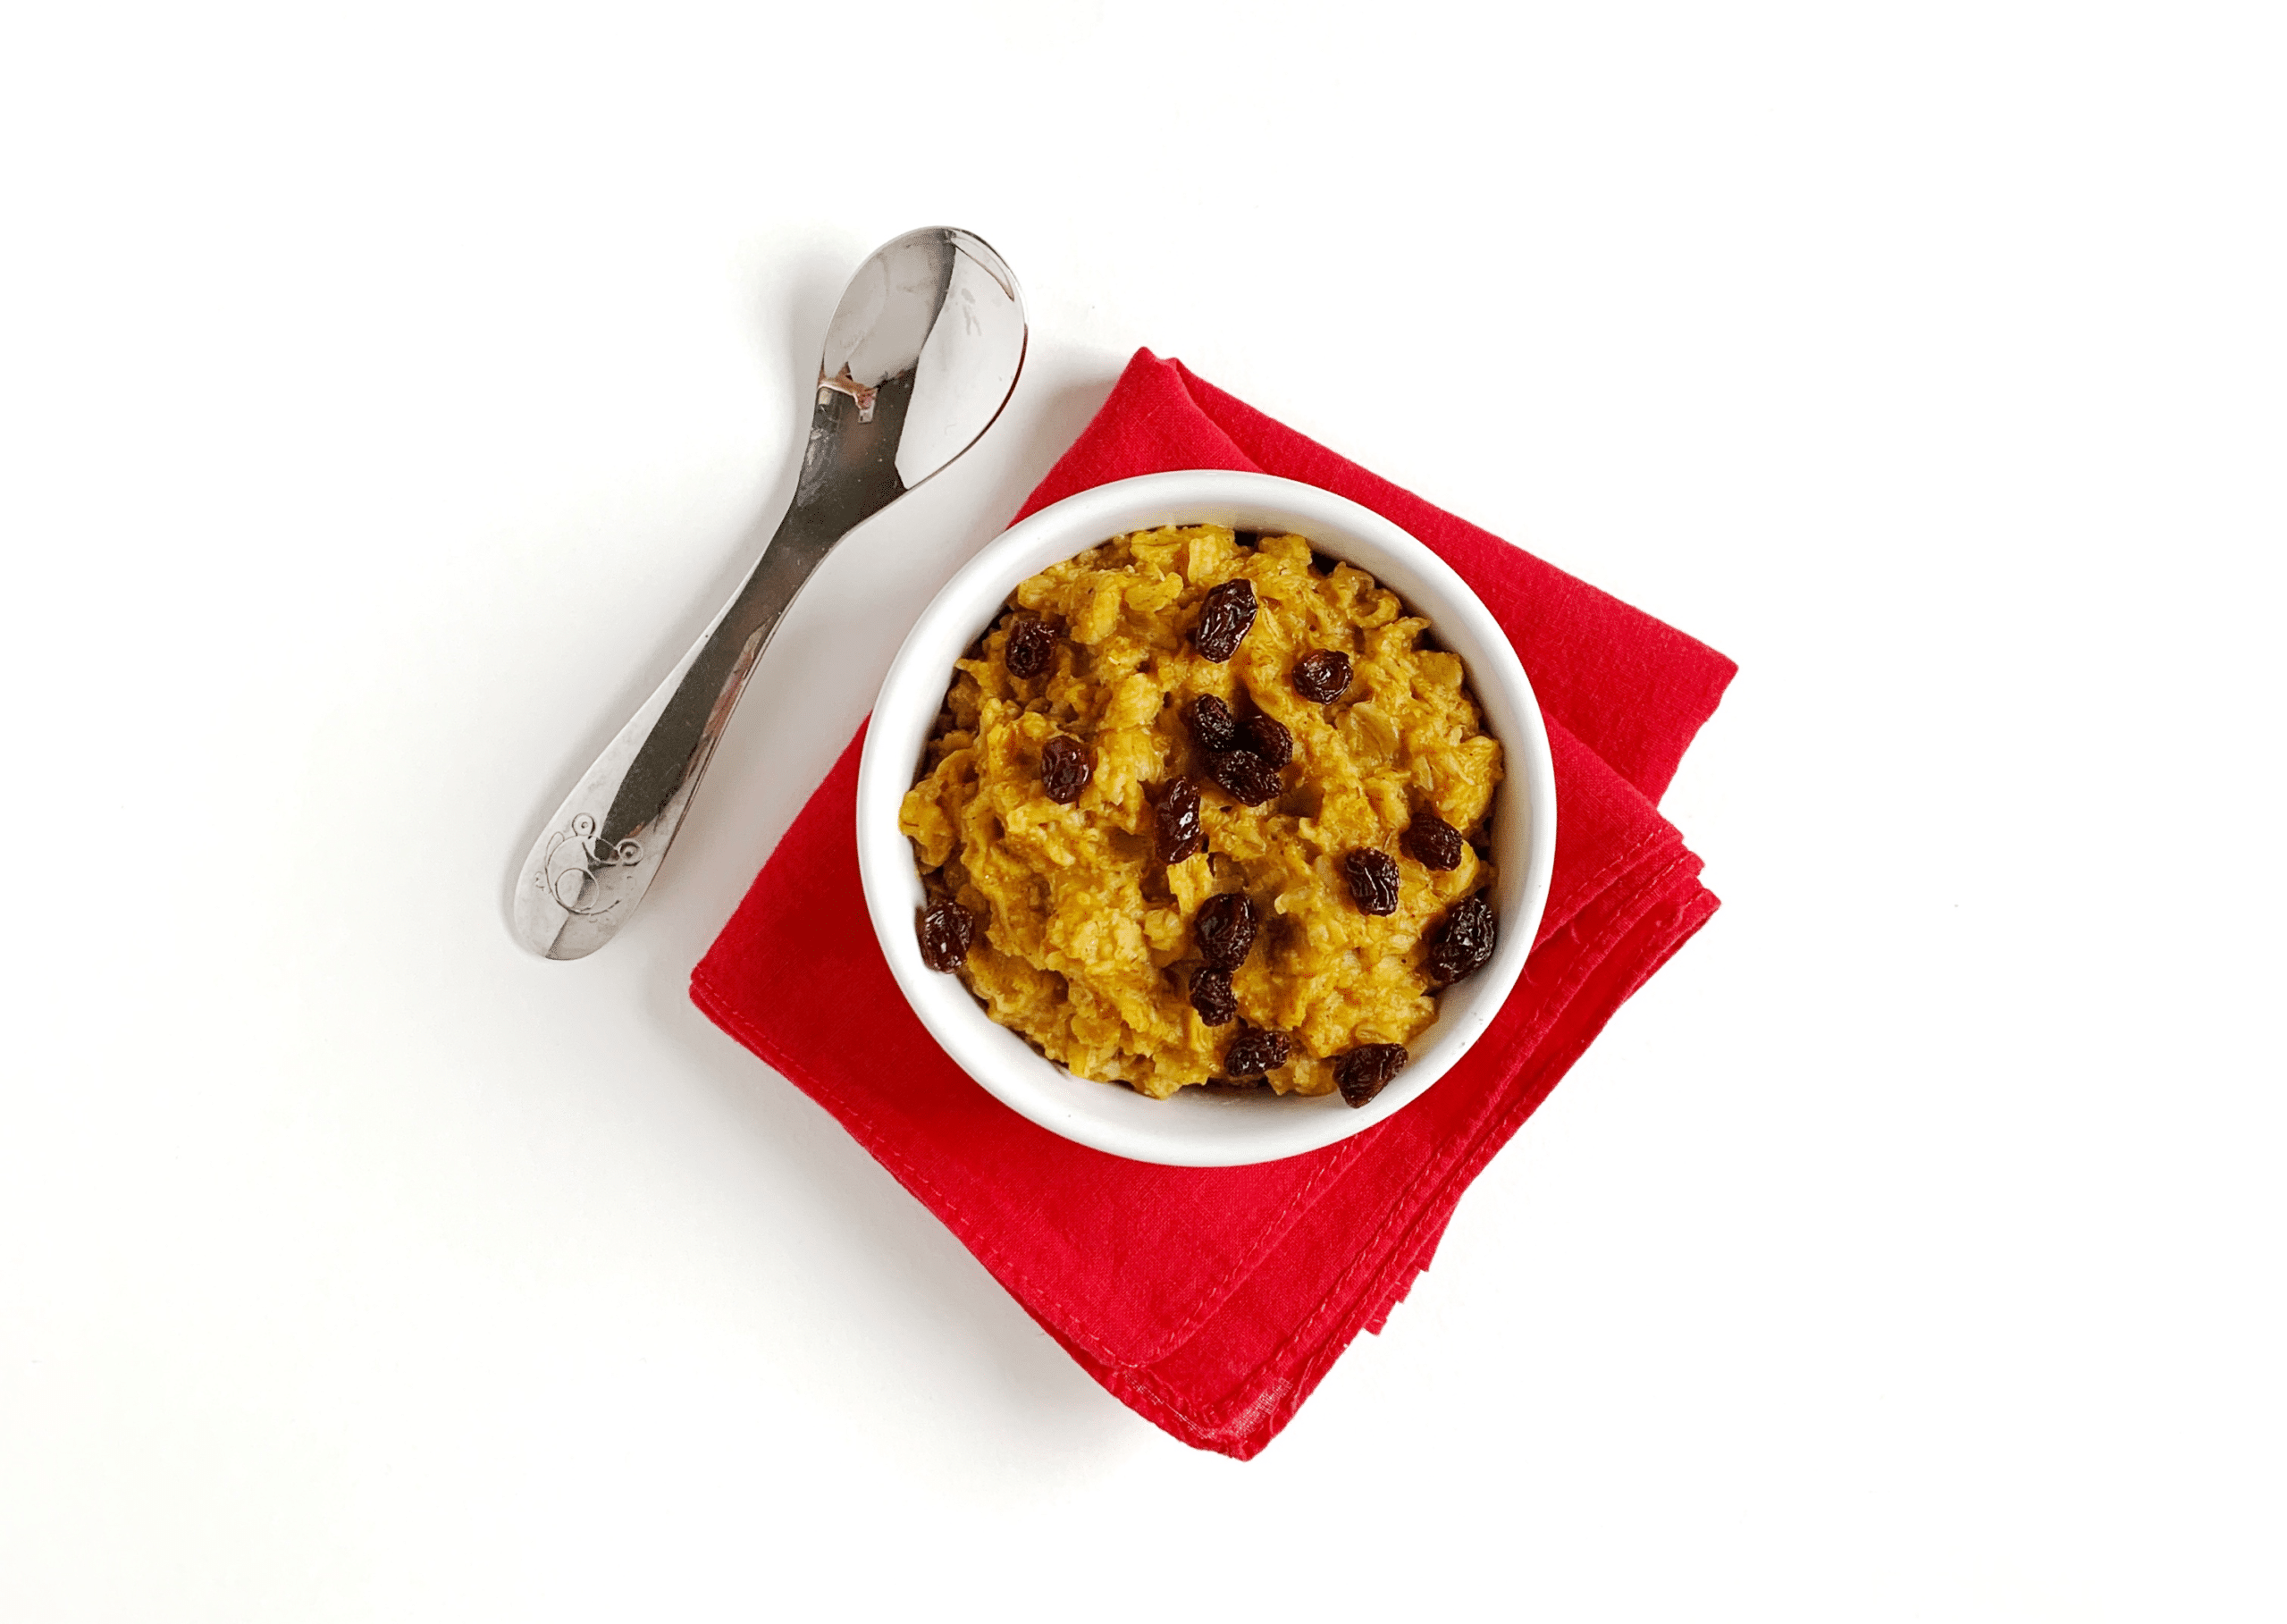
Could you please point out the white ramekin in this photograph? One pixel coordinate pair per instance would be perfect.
(1197, 1129)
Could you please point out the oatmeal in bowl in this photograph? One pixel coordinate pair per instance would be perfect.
(1207, 808)
(1221, 827)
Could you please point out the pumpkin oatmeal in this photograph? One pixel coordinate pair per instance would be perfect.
(1212, 811)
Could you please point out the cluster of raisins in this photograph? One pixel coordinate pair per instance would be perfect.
(1373, 875)
(1224, 929)
(1217, 732)
(1214, 728)
(1264, 736)
(1243, 755)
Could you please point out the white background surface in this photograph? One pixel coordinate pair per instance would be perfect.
(385, 396)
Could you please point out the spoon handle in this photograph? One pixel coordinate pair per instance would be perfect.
(601, 852)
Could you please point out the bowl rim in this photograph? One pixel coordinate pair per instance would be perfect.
(1171, 1131)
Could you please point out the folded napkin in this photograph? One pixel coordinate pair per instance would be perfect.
(1213, 1300)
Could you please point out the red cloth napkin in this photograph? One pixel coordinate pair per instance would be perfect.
(1213, 1300)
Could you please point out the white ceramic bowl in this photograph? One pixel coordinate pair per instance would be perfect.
(1197, 1129)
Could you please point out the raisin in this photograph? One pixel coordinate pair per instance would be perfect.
(1366, 1070)
(1176, 827)
(1374, 881)
(1323, 678)
(1432, 842)
(1463, 942)
(1065, 768)
(1266, 737)
(1031, 641)
(1225, 618)
(1247, 777)
(1225, 929)
(1213, 727)
(1211, 996)
(946, 929)
(1255, 1051)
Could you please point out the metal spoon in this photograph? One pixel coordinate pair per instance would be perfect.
(922, 354)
